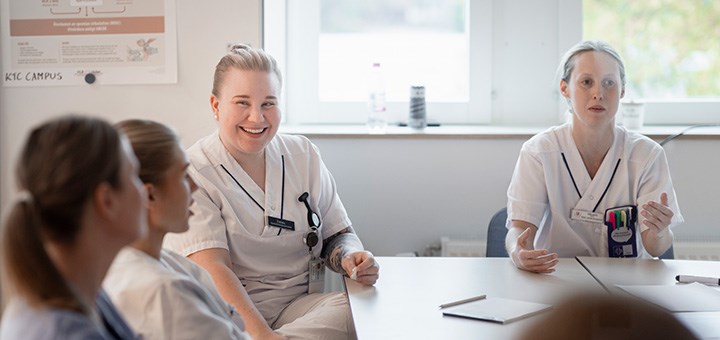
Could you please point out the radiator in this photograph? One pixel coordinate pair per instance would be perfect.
(684, 250)
(469, 247)
(697, 250)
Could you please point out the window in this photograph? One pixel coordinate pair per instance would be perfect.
(671, 54)
(490, 61)
(330, 46)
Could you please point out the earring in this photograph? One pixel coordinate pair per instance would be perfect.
(215, 116)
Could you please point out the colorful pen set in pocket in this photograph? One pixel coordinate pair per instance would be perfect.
(621, 226)
(619, 217)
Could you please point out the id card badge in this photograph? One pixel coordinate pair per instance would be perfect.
(621, 225)
(316, 275)
(586, 216)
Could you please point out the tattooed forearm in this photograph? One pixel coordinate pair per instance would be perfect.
(337, 246)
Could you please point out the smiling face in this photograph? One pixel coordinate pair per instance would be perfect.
(247, 110)
(594, 89)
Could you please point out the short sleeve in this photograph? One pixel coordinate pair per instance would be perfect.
(330, 207)
(527, 193)
(207, 228)
(654, 181)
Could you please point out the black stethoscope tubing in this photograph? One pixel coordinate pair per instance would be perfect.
(311, 239)
(282, 193)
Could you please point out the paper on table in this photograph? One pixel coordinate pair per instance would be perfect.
(496, 309)
(693, 297)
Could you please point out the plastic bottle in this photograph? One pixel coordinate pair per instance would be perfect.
(377, 111)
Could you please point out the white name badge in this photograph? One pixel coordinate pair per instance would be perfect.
(586, 216)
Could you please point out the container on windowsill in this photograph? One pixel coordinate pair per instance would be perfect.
(633, 114)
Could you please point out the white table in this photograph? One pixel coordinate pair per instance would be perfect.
(404, 302)
(626, 271)
(612, 271)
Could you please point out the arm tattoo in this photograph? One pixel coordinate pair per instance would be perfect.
(337, 246)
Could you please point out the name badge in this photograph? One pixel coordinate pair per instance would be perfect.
(587, 216)
(280, 223)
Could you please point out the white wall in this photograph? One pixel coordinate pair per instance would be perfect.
(203, 31)
(405, 193)
(401, 193)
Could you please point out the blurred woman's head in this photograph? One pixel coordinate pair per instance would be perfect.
(163, 170)
(76, 177)
(605, 316)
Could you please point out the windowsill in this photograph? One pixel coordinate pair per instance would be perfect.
(474, 131)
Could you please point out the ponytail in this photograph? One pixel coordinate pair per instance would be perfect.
(30, 271)
(84, 153)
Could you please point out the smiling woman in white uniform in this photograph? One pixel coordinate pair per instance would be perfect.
(575, 183)
(267, 211)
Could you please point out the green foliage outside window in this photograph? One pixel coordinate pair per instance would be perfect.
(671, 48)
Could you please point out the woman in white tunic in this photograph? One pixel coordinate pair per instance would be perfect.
(575, 183)
(266, 213)
(161, 294)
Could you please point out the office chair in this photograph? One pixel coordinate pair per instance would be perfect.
(669, 254)
(495, 246)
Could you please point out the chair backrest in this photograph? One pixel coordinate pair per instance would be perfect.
(495, 246)
(669, 254)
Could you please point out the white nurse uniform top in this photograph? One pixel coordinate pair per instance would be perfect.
(170, 298)
(541, 191)
(272, 263)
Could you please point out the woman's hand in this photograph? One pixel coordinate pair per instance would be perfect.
(658, 215)
(361, 266)
(533, 260)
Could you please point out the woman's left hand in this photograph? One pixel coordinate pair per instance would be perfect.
(657, 215)
(361, 266)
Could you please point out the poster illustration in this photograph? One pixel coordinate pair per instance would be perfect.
(78, 42)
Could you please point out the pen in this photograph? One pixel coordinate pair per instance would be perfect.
(460, 302)
(700, 279)
(617, 219)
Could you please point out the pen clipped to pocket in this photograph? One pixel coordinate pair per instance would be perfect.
(621, 225)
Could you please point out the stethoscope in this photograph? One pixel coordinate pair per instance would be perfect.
(311, 238)
(575, 184)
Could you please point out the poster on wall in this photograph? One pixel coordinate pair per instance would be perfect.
(79, 42)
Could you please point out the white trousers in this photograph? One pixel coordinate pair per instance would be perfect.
(317, 316)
